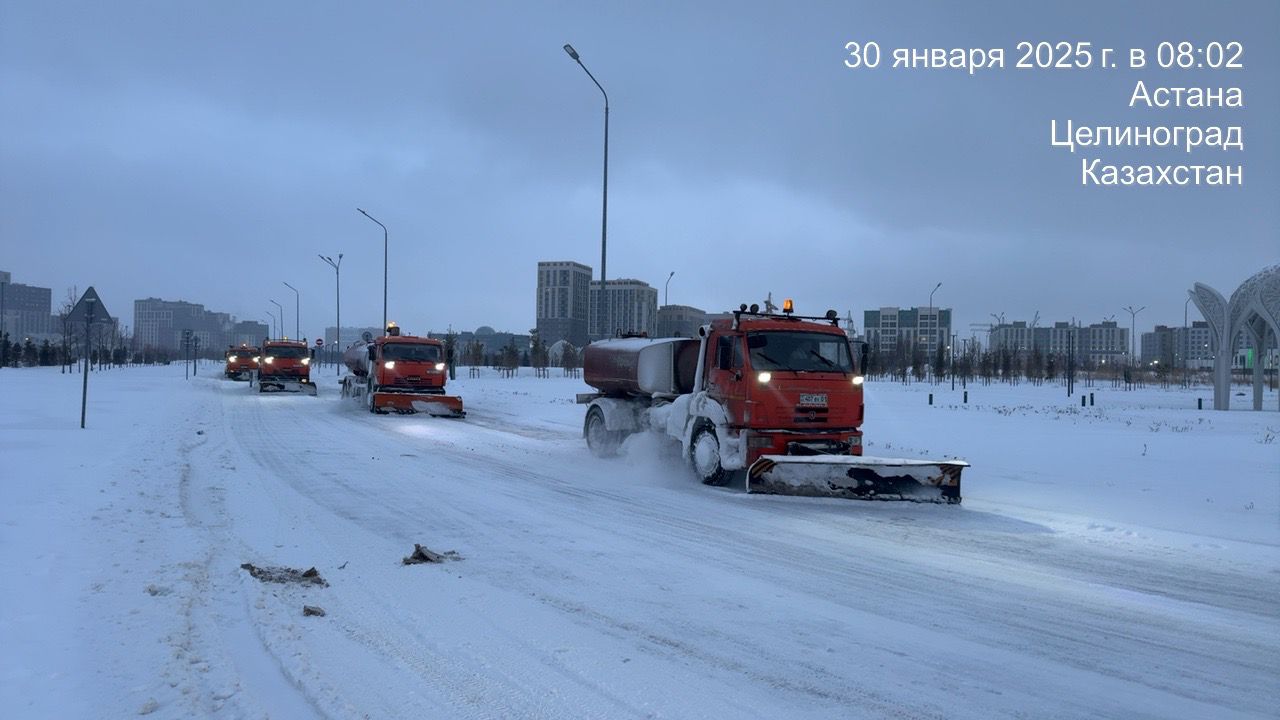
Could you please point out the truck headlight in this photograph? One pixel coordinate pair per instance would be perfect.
(233, 358)
(389, 364)
(764, 377)
(857, 379)
(270, 359)
(439, 366)
(306, 361)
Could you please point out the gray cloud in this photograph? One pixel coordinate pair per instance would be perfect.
(210, 152)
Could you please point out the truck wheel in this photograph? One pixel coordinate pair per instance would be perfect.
(602, 441)
(704, 457)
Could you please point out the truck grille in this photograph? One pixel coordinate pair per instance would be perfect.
(810, 415)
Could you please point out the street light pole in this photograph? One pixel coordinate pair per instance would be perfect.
(273, 322)
(297, 305)
(929, 347)
(337, 277)
(604, 209)
(1186, 343)
(1133, 331)
(666, 292)
(384, 267)
(281, 309)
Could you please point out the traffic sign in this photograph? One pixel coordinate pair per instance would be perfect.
(319, 342)
(89, 308)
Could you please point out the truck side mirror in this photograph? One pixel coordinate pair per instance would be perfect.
(373, 352)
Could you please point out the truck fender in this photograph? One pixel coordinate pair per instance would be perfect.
(697, 409)
(619, 415)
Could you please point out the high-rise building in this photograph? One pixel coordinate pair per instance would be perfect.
(1179, 347)
(633, 308)
(563, 302)
(679, 321)
(1099, 343)
(891, 328)
(1106, 343)
(25, 310)
(159, 324)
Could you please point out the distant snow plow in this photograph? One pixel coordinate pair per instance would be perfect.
(856, 477)
(285, 367)
(401, 374)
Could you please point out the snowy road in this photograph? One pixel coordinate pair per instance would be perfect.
(610, 588)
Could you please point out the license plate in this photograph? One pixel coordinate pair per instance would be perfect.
(813, 399)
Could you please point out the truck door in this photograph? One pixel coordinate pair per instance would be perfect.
(726, 382)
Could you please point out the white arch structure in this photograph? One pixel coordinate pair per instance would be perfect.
(1254, 308)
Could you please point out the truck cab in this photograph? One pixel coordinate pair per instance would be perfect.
(787, 386)
(285, 365)
(241, 361)
(408, 364)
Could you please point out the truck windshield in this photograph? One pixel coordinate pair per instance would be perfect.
(411, 352)
(288, 352)
(244, 352)
(800, 351)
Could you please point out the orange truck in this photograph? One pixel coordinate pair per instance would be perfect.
(242, 361)
(285, 366)
(400, 373)
(771, 401)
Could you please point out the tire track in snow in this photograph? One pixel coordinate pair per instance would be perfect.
(1053, 629)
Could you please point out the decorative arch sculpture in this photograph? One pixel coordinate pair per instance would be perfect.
(1254, 309)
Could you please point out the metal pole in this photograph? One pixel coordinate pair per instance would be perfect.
(605, 300)
(666, 292)
(384, 267)
(84, 390)
(1186, 344)
(297, 306)
(1133, 332)
(929, 347)
(337, 275)
(952, 348)
(281, 309)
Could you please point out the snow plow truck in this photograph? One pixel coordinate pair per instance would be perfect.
(285, 366)
(242, 361)
(399, 373)
(774, 400)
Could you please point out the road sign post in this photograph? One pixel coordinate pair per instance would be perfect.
(89, 309)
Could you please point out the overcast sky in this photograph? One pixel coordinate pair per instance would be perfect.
(209, 151)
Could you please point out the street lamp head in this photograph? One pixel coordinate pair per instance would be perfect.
(572, 53)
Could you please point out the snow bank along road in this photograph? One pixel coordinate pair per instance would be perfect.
(1119, 561)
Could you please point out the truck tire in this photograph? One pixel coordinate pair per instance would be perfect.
(704, 456)
(602, 441)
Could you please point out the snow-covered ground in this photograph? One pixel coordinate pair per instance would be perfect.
(1120, 560)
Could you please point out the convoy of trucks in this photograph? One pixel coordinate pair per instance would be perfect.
(771, 401)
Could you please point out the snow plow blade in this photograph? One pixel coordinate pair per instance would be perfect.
(438, 405)
(857, 477)
(266, 385)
